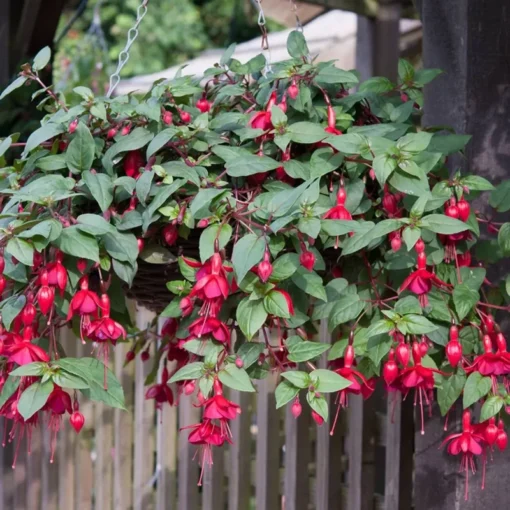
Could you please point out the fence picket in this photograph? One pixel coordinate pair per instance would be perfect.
(213, 496)
(297, 458)
(187, 470)
(34, 468)
(143, 495)
(267, 475)
(20, 476)
(392, 463)
(239, 487)
(103, 464)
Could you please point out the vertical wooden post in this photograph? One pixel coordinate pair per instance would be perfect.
(239, 482)
(4, 42)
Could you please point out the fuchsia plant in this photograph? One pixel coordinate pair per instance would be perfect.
(276, 201)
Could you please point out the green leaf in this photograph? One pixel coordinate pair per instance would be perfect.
(405, 71)
(36, 368)
(306, 132)
(250, 164)
(203, 200)
(276, 304)
(11, 307)
(297, 378)
(351, 143)
(464, 299)
(383, 166)
(331, 74)
(476, 183)
(188, 372)
(16, 84)
(251, 316)
(43, 134)
(442, 224)
(504, 238)
(296, 45)
(221, 232)
(68, 380)
(249, 352)
(4, 146)
(415, 325)
(377, 84)
(380, 327)
(248, 252)
(345, 309)
(318, 404)
(500, 197)
(328, 381)
(491, 407)
(310, 282)
(236, 378)
(137, 139)
(34, 398)
(81, 150)
(408, 304)
(361, 238)
(8, 389)
(284, 393)
(306, 351)
(121, 246)
(377, 352)
(339, 227)
(143, 185)
(415, 186)
(94, 224)
(414, 142)
(448, 144)
(477, 386)
(285, 266)
(160, 140)
(73, 242)
(450, 390)
(100, 187)
(22, 250)
(42, 59)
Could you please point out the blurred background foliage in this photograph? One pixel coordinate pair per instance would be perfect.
(92, 33)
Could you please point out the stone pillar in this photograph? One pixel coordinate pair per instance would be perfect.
(470, 41)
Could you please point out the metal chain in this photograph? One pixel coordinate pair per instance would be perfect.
(124, 54)
(294, 8)
(265, 39)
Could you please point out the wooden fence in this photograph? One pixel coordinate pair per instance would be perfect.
(138, 459)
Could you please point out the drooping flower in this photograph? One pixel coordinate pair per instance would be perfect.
(58, 403)
(218, 407)
(161, 393)
(466, 443)
(490, 363)
(57, 274)
(84, 303)
(24, 352)
(339, 211)
(420, 281)
(210, 326)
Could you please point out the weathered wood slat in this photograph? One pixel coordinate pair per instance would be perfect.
(103, 465)
(20, 477)
(239, 486)
(392, 464)
(297, 458)
(188, 470)
(267, 475)
(213, 496)
(49, 472)
(34, 474)
(123, 434)
(143, 494)
(355, 452)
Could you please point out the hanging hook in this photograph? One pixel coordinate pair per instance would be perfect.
(124, 54)
(294, 8)
(265, 39)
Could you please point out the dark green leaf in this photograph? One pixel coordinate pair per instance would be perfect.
(21, 250)
(296, 45)
(34, 398)
(221, 232)
(276, 304)
(306, 132)
(310, 282)
(11, 307)
(73, 242)
(345, 309)
(235, 378)
(306, 351)
(248, 252)
(100, 187)
(42, 59)
(16, 84)
(251, 316)
(284, 393)
(491, 407)
(327, 381)
(249, 165)
(450, 390)
(442, 224)
(296, 378)
(477, 386)
(81, 150)
(464, 299)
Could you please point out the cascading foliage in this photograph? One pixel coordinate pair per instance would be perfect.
(278, 201)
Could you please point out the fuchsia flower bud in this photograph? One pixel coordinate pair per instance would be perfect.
(77, 421)
(189, 388)
(293, 90)
(125, 130)
(167, 118)
(491, 432)
(145, 356)
(185, 117)
(396, 242)
(141, 244)
(2, 264)
(203, 223)
(130, 356)
(419, 246)
(3, 283)
(464, 209)
(239, 362)
(203, 105)
(307, 259)
(73, 126)
(81, 265)
(265, 268)
(112, 132)
(452, 211)
(317, 418)
(502, 439)
(403, 353)
(28, 314)
(454, 348)
(133, 162)
(46, 294)
(390, 368)
(170, 234)
(296, 408)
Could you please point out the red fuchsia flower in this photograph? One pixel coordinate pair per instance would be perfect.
(133, 161)
(339, 212)
(464, 209)
(490, 363)
(454, 348)
(265, 268)
(185, 116)
(167, 118)
(84, 303)
(502, 437)
(395, 240)
(24, 352)
(466, 443)
(403, 352)
(261, 120)
(464, 259)
(161, 392)
(186, 306)
(390, 203)
(307, 259)
(419, 378)
(420, 282)
(45, 294)
(331, 128)
(73, 126)
(203, 104)
(206, 435)
(218, 407)
(169, 328)
(390, 368)
(57, 274)
(58, 403)
(28, 314)
(210, 326)
(317, 418)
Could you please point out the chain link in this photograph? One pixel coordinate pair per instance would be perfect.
(124, 54)
(294, 8)
(265, 39)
